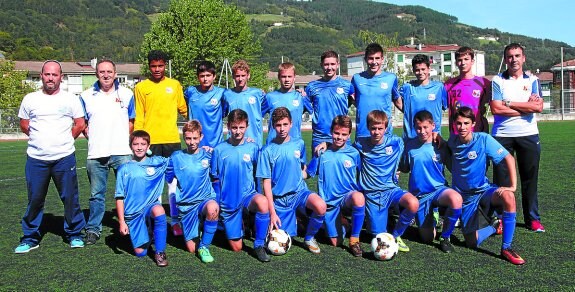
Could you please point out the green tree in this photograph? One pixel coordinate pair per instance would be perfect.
(12, 85)
(191, 31)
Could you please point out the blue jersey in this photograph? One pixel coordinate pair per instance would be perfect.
(329, 99)
(379, 163)
(469, 161)
(253, 102)
(208, 108)
(234, 167)
(295, 103)
(282, 163)
(427, 164)
(431, 97)
(193, 174)
(337, 173)
(373, 93)
(140, 184)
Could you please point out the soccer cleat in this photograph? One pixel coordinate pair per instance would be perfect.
(498, 225)
(262, 255)
(25, 247)
(205, 255)
(445, 245)
(76, 243)
(161, 259)
(536, 226)
(177, 229)
(91, 238)
(510, 255)
(313, 246)
(356, 249)
(402, 246)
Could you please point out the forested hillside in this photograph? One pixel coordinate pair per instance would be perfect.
(83, 29)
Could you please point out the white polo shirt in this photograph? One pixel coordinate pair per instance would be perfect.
(51, 119)
(108, 118)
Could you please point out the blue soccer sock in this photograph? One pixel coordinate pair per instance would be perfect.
(357, 218)
(174, 209)
(210, 228)
(484, 233)
(405, 218)
(261, 223)
(160, 233)
(508, 229)
(315, 222)
(452, 215)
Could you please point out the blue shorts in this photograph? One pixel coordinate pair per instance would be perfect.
(140, 225)
(428, 201)
(233, 220)
(332, 222)
(476, 210)
(287, 206)
(191, 220)
(378, 204)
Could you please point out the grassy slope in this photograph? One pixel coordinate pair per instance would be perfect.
(109, 264)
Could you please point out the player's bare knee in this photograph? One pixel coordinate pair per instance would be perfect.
(358, 199)
(213, 210)
(158, 210)
(508, 199)
(411, 203)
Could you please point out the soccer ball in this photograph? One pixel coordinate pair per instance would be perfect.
(384, 246)
(279, 242)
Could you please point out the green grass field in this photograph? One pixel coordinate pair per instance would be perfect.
(110, 265)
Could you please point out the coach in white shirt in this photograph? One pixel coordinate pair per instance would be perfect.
(52, 119)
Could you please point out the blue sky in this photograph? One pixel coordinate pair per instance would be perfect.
(551, 19)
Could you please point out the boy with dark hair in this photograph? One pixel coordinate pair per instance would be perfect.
(139, 185)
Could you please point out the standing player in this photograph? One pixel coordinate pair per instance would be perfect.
(374, 90)
(516, 100)
(337, 169)
(422, 94)
(205, 104)
(287, 97)
(139, 186)
(195, 196)
(468, 90)
(251, 100)
(329, 97)
(480, 198)
(234, 162)
(158, 101)
(380, 156)
(280, 167)
(426, 181)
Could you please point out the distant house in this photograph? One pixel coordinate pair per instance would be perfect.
(488, 38)
(78, 76)
(568, 82)
(442, 59)
(546, 81)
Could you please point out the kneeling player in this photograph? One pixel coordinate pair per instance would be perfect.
(337, 170)
(195, 196)
(480, 198)
(426, 181)
(233, 164)
(380, 156)
(139, 185)
(280, 167)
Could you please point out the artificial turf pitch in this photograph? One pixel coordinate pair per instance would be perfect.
(110, 264)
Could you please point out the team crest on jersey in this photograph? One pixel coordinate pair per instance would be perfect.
(388, 150)
(205, 163)
(169, 90)
(384, 85)
(295, 102)
(476, 93)
(431, 96)
(500, 150)
(347, 163)
(247, 157)
(339, 90)
(297, 154)
(472, 155)
(251, 100)
(525, 88)
(436, 157)
(213, 101)
(150, 170)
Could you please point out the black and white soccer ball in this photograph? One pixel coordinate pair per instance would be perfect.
(279, 242)
(384, 246)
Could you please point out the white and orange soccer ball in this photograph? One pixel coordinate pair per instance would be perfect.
(279, 242)
(384, 247)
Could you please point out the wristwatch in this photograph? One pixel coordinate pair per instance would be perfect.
(507, 102)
